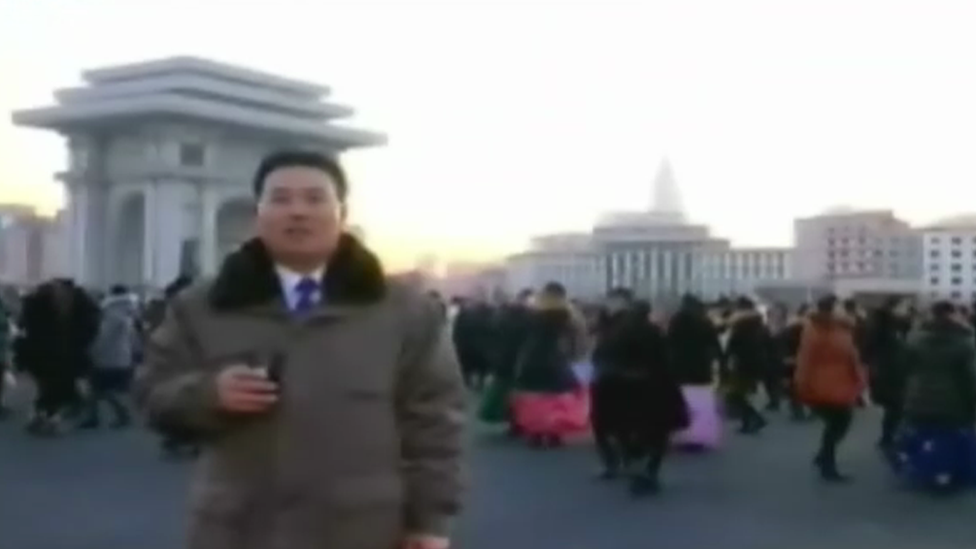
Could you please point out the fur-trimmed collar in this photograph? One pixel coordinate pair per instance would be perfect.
(354, 276)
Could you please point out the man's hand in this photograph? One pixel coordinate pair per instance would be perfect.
(245, 390)
(426, 542)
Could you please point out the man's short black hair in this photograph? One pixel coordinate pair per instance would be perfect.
(554, 289)
(300, 159)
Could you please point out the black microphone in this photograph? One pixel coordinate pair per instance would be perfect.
(276, 367)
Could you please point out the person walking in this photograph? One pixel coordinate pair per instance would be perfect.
(113, 356)
(58, 323)
(325, 395)
(830, 379)
(936, 447)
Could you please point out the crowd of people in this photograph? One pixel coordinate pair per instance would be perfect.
(327, 404)
(640, 380)
(80, 350)
(551, 368)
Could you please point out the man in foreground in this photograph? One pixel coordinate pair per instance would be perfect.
(329, 404)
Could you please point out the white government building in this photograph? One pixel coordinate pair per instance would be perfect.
(657, 252)
(949, 259)
(161, 156)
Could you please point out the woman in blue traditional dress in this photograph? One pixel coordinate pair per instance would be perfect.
(936, 447)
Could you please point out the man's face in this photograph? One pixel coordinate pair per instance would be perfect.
(300, 215)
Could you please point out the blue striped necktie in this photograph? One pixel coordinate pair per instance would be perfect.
(305, 291)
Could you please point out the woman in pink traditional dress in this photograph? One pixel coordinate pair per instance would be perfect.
(548, 402)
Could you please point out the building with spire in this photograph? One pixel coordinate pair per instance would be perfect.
(657, 252)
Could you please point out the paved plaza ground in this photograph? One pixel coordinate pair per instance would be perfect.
(111, 490)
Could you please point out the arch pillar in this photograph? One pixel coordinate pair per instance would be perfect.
(209, 201)
(234, 220)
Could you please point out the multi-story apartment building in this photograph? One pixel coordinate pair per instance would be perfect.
(870, 248)
(949, 259)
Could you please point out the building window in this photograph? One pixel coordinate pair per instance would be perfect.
(193, 155)
(956, 241)
(934, 281)
(956, 281)
(956, 295)
(956, 254)
(956, 267)
(934, 254)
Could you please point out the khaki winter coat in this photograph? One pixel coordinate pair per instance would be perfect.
(365, 443)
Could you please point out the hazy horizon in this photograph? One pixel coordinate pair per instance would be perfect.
(507, 121)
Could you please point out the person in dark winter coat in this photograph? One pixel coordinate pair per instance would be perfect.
(512, 325)
(555, 338)
(884, 356)
(636, 401)
(941, 377)
(548, 402)
(937, 445)
(59, 322)
(512, 322)
(693, 344)
(749, 352)
(474, 341)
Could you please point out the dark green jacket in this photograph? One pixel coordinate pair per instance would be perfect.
(941, 380)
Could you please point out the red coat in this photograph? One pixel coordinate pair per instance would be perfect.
(828, 371)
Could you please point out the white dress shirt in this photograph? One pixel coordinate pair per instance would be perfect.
(289, 282)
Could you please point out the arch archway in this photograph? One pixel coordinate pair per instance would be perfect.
(130, 240)
(235, 224)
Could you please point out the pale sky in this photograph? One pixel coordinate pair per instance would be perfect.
(512, 118)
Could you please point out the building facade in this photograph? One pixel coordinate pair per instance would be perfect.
(568, 258)
(30, 246)
(949, 259)
(161, 156)
(657, 253)
(853, 245)
(725, 270)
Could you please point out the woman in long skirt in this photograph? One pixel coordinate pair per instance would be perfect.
(548, 402)
(694, 348)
